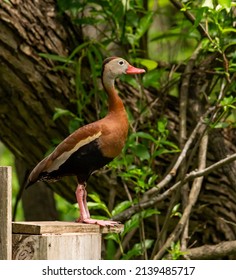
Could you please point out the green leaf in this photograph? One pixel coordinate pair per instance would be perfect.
(56, 57)
(144, 24)
(175, 250)
(121, 207)
(143, 135)
(227, 101)
(68, 4)
(135, 219)
(62, 112)
(74, 124)
(226, 4)
(173, 35)
(170, 144)
(100, 217)
(228, 30)
(208, 4)
(87, 20)
(221, 125)
(97, 204)
(93, 70)
(175, 210)
(130, 225)
(199, 16)
(161, 125)
(79, 48)
(137, 249)
(148, 63)
(95, 197)
(141, 151)
(152, 179)
(152, 79)
(113, 236)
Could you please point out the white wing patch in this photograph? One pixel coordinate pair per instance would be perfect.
(63, 157)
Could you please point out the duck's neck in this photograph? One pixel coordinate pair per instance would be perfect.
(115, 103)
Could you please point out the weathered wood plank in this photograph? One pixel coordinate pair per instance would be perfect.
(54, 240)
(70, 246)
(5, 213)
(58, 227)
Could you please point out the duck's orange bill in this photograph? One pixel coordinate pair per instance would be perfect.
(133, 70)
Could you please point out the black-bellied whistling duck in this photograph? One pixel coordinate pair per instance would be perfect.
(93, 145)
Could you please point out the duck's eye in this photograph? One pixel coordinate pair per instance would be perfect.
(121, 62)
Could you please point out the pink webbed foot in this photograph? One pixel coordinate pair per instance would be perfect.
(98, 222)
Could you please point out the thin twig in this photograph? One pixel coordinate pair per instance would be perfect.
(194, 193)
(184, 90)
(128, 193)
(181, 157)
(124, 244)
(142, 239)
(162, 236)
(191, 18)
(189, 177)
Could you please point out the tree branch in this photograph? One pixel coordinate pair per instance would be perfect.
(181, 157)
(191, 18)
(196, 187)
(218, 251)
(189, 177)
(184, 91)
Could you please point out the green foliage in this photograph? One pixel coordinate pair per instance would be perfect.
(7, 159)
(121, 207)
(74, 123)
(131, 224)
(139, 155)
(218, 18)
(66, 211)
(175, 211)
(135, 220)
(92, 52)
(114, 239)
(122, 25)
(175, 251)
(137, 249)
(98, 204)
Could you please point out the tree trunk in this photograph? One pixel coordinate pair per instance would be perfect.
(29, 90)
(38, 203)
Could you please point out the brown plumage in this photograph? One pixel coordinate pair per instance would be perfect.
(91, 146)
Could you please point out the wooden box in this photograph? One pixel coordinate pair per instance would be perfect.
(58, 240)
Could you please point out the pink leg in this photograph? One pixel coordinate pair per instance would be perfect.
(85, 202)
(84, 212)
(80, 196)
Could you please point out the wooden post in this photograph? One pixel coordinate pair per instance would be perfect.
(5, 213)
(58, 240)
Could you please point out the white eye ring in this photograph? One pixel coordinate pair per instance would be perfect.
(121, 62)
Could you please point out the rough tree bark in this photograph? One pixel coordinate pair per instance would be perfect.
(29, 90)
